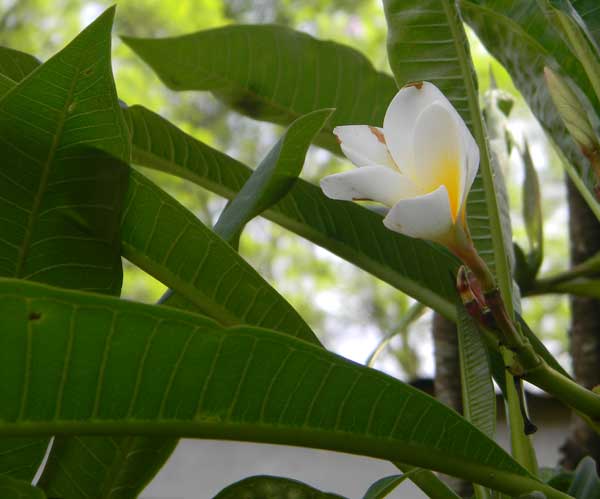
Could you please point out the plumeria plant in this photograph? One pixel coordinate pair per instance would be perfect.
(96, 390)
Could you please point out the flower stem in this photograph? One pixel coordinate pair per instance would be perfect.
(566, 390)
(520, 357)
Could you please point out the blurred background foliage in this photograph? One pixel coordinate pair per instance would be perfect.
(350, 310)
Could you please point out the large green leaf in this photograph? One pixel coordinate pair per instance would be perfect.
(166, 240)
(11, 488)
(271, 181)
(91, 364)
(518, 34)
(478, 396)
(416, 267)
(272, 487)
(273, 73)
(60, 201)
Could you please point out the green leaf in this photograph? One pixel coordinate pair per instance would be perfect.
(415, 311)
(479, 398)
(478, 395)
(166, 240)
(427, 42)
(44, 132)
(272, 487)
(273, 73)
(428, 482)
(588, 12)
(60, 223)
(352, 232)
(116, 467)
(267, 185)
(382, 487)
(15, 64)
(100, 365)
(576, 38)
(586, 483)
(274, 176)
(518, 34)
(19, 489)
(532, 214)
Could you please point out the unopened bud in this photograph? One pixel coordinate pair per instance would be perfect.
(572, 113)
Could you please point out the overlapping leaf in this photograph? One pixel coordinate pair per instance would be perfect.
(95, 364)
(271, 181)
(11, 488)
(169, 242)
(273, 73)
(348, 230)
(60, 201)
(518, 34)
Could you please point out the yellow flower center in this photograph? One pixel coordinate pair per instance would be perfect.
(449, 175)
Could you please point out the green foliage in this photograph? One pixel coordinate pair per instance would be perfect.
(274, 177)
(272, 85)
(249, 384)
(225, 355)
(17, 489)
(519, 35)
(382, 487)
(414, 266)
(259, 487)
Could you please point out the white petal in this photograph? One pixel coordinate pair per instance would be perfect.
(425, 217)
(472, 161)
(401, 117)
(364, 145)
(375, 183)
(438, 156)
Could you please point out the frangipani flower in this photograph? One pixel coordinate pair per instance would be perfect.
(421, 165)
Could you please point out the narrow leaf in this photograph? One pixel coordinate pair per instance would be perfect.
(586, 483)
(532, 214)
(382, 487)
(478, 395)
(274, 176)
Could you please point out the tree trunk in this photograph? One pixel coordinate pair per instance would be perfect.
(447, 380)
(584, 335)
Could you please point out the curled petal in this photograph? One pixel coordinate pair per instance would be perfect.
(401, 117)
(471, 151)
(374, 183)
(426, 217)
(364, 145)
(438, 153)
